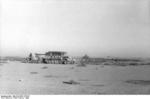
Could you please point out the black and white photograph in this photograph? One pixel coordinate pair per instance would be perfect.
(75, 47)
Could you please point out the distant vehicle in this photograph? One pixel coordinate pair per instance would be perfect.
(68, 60)
(53, 57)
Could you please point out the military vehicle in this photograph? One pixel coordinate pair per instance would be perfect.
(52, 57)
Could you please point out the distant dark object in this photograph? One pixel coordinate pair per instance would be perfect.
(30, 57)
(20, 80)
(85, 59)
(44, 60)
(139, 82)
(72, 82)
(33, 72)
(45, 67)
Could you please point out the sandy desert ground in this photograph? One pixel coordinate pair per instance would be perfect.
(46, 79)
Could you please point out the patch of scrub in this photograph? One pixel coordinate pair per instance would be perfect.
(45, 67)
(139, 82)
(20, 80)
(72, 82)
(33, 72)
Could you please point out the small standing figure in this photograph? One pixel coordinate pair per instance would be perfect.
(30, 57)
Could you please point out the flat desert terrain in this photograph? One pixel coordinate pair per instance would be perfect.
(47, 79)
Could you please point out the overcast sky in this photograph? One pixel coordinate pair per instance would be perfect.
(94, 27)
